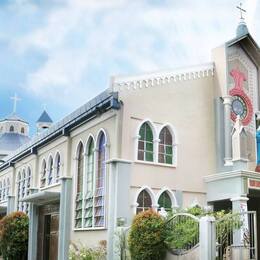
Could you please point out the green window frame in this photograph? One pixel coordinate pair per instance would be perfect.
(165, 151)
(145, 143)
(88, 215)
(79, 193)
(165, 201)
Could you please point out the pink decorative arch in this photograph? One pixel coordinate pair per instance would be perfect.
(239, 77)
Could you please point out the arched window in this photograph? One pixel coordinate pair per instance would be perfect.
(145, 143)
(19, 185)
(50, 171)
(144, 201)
(99, 202)
(8, 186)
(165, 201)
(4, 193)
(11, 128)
(89, 184)
(79, 193)
(22, 130)
(165, 147)
(43, 174)
(23, 189)
(57, 167)
(1, 191)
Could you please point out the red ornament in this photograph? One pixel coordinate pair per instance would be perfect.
(239, 77)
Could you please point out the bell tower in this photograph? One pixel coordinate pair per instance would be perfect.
(237, 65)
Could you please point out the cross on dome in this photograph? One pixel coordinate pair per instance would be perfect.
(15, 98)
(241, 11)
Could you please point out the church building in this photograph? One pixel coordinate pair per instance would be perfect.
(165, 140)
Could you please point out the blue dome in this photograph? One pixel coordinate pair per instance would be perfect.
(12, 141)
(242, 29)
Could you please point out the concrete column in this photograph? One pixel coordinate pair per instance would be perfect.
(239, 205)
(65, 218)
(207, 238)
(10, 204)
(33, 230)
(118, 208)
(227, 130)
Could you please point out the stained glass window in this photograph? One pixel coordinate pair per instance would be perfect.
(144, 201)
(145, 143)
(7, 187)
(99, 200)
(50, 171)
(80, 162)
(23, 189)
(165, 147)
(57, 167)
(165, 201)
(43, 174)
(1, 190)
(4, 193)
(89, 192)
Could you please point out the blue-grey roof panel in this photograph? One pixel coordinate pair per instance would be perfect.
(66, 123)
(44, 118)
(12, 141)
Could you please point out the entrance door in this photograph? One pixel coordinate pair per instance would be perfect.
(48, 233)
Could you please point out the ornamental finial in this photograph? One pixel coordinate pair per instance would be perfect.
(15, 98)
(241, 11)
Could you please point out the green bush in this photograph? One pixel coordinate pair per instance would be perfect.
(14, 236)
(147, 235)
(87, 253)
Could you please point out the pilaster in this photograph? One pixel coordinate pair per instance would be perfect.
(118, 204)
(227, 130)
(65, 218)
(10, 204)
(33, 230)
(239, 205)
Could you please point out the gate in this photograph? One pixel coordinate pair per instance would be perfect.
(184, 233)
(236, 236)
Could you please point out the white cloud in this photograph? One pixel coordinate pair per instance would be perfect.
(85, 42)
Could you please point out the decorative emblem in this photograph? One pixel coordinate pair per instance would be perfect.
(241, 104)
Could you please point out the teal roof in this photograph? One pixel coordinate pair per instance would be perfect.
(44, 118)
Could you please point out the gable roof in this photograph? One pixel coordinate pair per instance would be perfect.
(249, 45)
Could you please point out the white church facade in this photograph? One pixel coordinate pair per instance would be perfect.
(167, 140)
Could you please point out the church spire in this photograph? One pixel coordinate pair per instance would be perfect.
(242, 27)
(44, 121)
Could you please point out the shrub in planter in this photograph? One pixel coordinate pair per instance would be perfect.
(147, 235)
(14, 236)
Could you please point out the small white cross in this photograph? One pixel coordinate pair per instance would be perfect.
(241, 11)
(15, 98)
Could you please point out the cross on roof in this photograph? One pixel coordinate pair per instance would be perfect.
(241, 10)
(15, 98)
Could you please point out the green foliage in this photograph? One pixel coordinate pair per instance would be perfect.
(183, 232)
(87, 253)
(147, 233)
(14, 236)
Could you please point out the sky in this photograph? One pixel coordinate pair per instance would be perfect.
(60, 53)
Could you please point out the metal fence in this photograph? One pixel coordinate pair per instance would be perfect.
(183, 233)
(236, 236)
